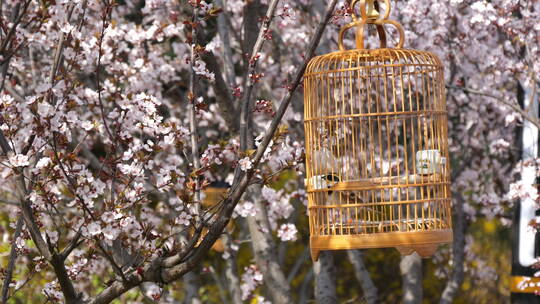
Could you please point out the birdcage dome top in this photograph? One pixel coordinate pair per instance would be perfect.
(355, 59)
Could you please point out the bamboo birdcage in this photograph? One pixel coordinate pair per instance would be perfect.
(376, 145)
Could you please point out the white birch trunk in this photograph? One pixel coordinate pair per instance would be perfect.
(325, 279)
(265, 251)
(191, 288)
(362, 275)
(231, 271)
(411, 272)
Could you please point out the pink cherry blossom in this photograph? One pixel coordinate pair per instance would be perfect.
(287, 232)
(183, 218)
(19, 160)
(245, 209)
(251, 278)
(245, 164)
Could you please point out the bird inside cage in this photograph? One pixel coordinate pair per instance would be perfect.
(328, 176)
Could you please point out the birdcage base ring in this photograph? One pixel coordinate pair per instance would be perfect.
(423, 242)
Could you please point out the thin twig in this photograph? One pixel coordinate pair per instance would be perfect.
(219, 285)
(181, 256)
(74, 243)
(16, 20)
(252, 78)
(223, 31)
(225, 100)
(192, 101)
(111, 260)
(58, 54)
(16, 95)
(29, 277)
(8, 202)
(300, 261)
(12, 259)
(535, 121)
(104, 25)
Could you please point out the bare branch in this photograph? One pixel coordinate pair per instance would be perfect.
(192, 101)
(231, 270)
(16, 19)
(223, 94)
(104, 25)
(59, 49)
(223, 31)
(181, 256)
(74, 243)
(116, 289)
(219, 284)
(8, 202)
(300, 261)
(11, 263)
(14, 93)
(264, 249)
(514, 106)
(111, 260)
(252, 79)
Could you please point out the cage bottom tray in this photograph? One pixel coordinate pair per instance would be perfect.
(423, 242)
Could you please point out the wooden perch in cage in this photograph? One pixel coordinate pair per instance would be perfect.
(363, 227)
(386, 180)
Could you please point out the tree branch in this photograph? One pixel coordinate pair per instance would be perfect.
(223, 31)
(74, 243)
(27, 213)
(11, 263)
(235, 193)
(304, 257)
(231, 270)
(60, 48)
(17, 17)
(192, 102)
(223, 94)
(252, 67)
(155, 272)
(514, 106)
(264, 250)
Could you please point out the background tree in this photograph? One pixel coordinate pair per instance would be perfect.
(118, 116)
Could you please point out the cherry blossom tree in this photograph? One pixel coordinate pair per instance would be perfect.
(118, 116)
